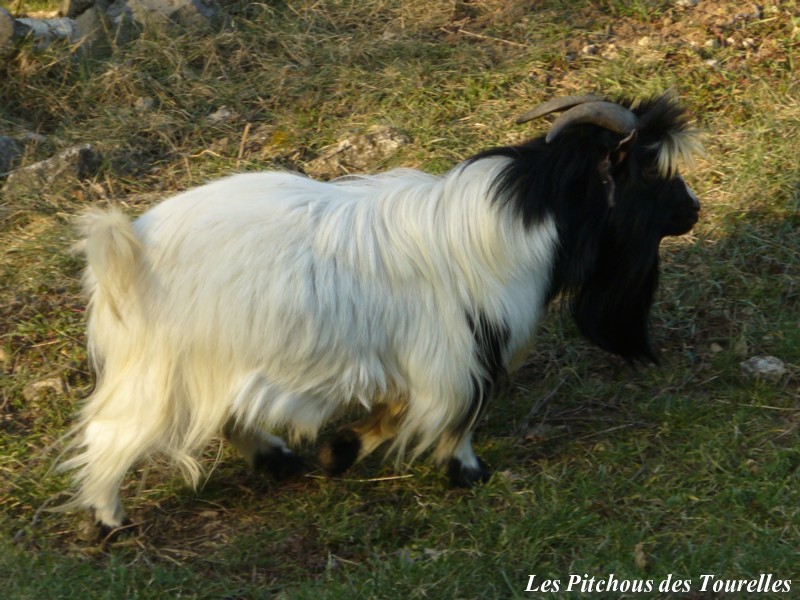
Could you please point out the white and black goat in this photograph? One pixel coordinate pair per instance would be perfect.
(268, 302)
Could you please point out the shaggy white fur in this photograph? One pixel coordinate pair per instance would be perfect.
(272, 302)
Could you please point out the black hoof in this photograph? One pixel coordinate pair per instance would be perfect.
(280, 464)
(101, 533)
(339, 454)
(463, 476)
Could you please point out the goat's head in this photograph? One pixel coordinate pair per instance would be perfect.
(616, 193)
(641, 147)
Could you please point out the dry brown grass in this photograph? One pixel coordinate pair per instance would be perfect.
(691, 463)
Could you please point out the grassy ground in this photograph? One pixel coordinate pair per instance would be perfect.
(686, 469)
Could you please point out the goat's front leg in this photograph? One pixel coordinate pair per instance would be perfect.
(265, 452)
(463, 467)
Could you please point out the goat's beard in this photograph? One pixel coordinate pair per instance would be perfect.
(612, 306)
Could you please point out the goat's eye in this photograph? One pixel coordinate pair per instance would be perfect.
(651, 172)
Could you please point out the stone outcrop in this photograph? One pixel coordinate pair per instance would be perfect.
(10, 154)
(54, 174)
(11, 32)
(357, 154)
(92, 25)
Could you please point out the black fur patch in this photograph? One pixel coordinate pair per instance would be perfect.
(612, 307)
(339, 454)
(607, 261)
(464, 477)
(491, 340)
(104, 534)
(280, 464)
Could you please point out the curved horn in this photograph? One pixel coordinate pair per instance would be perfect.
(608, 115)
(545, 108)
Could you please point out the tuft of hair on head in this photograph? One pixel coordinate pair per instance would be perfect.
(667, 127)
(678, 149)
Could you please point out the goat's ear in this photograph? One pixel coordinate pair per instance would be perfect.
(623, 147)
(618, 151)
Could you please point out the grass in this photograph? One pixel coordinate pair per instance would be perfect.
(686, 469)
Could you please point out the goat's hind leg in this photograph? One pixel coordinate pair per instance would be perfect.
(265, 452)
(354, 442)
(111, 448)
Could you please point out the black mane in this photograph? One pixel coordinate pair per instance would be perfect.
(609, 204)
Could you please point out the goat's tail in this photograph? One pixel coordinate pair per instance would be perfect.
(114, 255)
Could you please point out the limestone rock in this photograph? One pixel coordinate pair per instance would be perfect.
(38, 389)
(73, 8)
(10, 153)
(88, 27)
(96, 23)
(122, 22)
(45, 31)
(6, 31)
(357, 154)
(222, 115)
(764, 367)
(93, 33)
(144, 104)
(51, 175)
(11, 31)
(189, 13)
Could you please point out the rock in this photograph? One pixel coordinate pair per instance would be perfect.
(194, 13)
(122, 25)
(96, 23)
(639, 556)
(6, 31)
(222, 115)
(93, 30)
(74, 164)
(508, 476)
(89, 30)
(687, 3)
(11, 31)
(144, 104)
(610, 52)
(73, 8)
(357, 154)
(764, 367)
(10, 153)
(188, 13)
(31, 137)
(46, 31)
(39, 388)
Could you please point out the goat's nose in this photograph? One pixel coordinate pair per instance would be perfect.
(693, 196)
(695, 200)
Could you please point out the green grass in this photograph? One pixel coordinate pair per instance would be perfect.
(25, 7)
(685, 469)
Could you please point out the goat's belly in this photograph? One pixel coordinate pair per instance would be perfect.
(263, 402)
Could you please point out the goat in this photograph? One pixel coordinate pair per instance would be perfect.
(270, 302)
